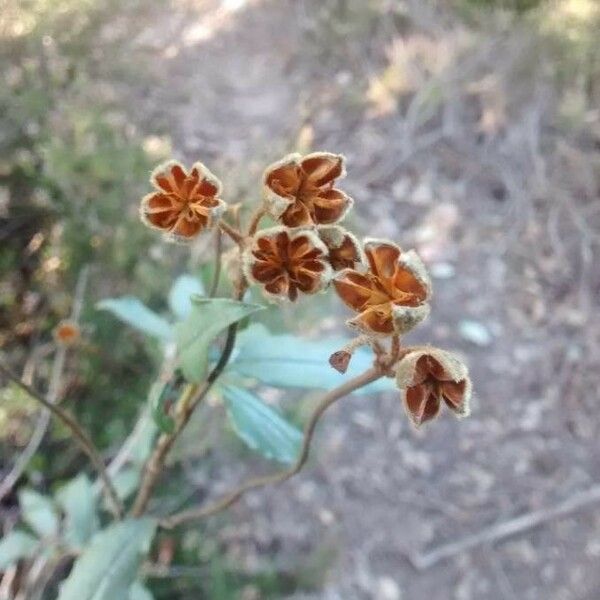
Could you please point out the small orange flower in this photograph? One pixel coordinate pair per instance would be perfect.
(392, 297)
(344, 249)
(428, 376)
(184, 203)
(299, 191)
(285, 261)
(66, 333)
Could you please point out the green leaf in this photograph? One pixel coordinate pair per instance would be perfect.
(38, 512)
(180, 296)
(208, 318)
(139, 592)
(288, 361)
(144, 440)
(108, 566)
(132, 311)
(262, 427)
(14, 546)
(78, 500)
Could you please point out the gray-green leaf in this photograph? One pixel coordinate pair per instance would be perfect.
(180, 295)
(261, 427)
(38, 512)
(291, 362)
(208, 318)
(78, 500)
(108, 566)
(133, 312)
(126, 481)
(14, 546)
(144, 440)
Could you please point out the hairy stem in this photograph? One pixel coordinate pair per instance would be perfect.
(217, 272)
(228, 499)
(232, 232)
(80, 436)
(255, 220)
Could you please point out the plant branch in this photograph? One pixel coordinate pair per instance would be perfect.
(53, 393)
(232, 232)
(78, 433)
(217, 273)
(228, 499)
(9, 481)
(255, 220)
(190, 398)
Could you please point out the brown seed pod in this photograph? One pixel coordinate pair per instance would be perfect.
(183, 203)
(429, 377)
(392, 296)
(299, 191)
(345, 251)
(287, 261)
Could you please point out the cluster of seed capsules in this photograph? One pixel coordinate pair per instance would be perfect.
(309, 251)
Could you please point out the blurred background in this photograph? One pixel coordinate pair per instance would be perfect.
(472, 132)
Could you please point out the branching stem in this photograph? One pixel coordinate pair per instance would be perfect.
(53, 394)
(255, 220)
(228, 499)
(191, 396)
(79, 434)
(232, 232)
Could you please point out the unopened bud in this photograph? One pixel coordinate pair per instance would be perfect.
(340, 360)
(66, 333)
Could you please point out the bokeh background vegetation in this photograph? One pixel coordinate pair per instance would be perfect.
(77, 140)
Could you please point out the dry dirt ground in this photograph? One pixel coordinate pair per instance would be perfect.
(453, 149)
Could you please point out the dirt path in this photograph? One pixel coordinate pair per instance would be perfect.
(501, 210)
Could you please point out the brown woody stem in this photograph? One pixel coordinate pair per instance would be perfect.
(155, 462)
(80, 436)
(227, 500)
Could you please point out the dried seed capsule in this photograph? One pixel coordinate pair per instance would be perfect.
(430, 376)
(183, 203)
(345, 251)
(392, 296)
(299, 191)
(287, 261)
